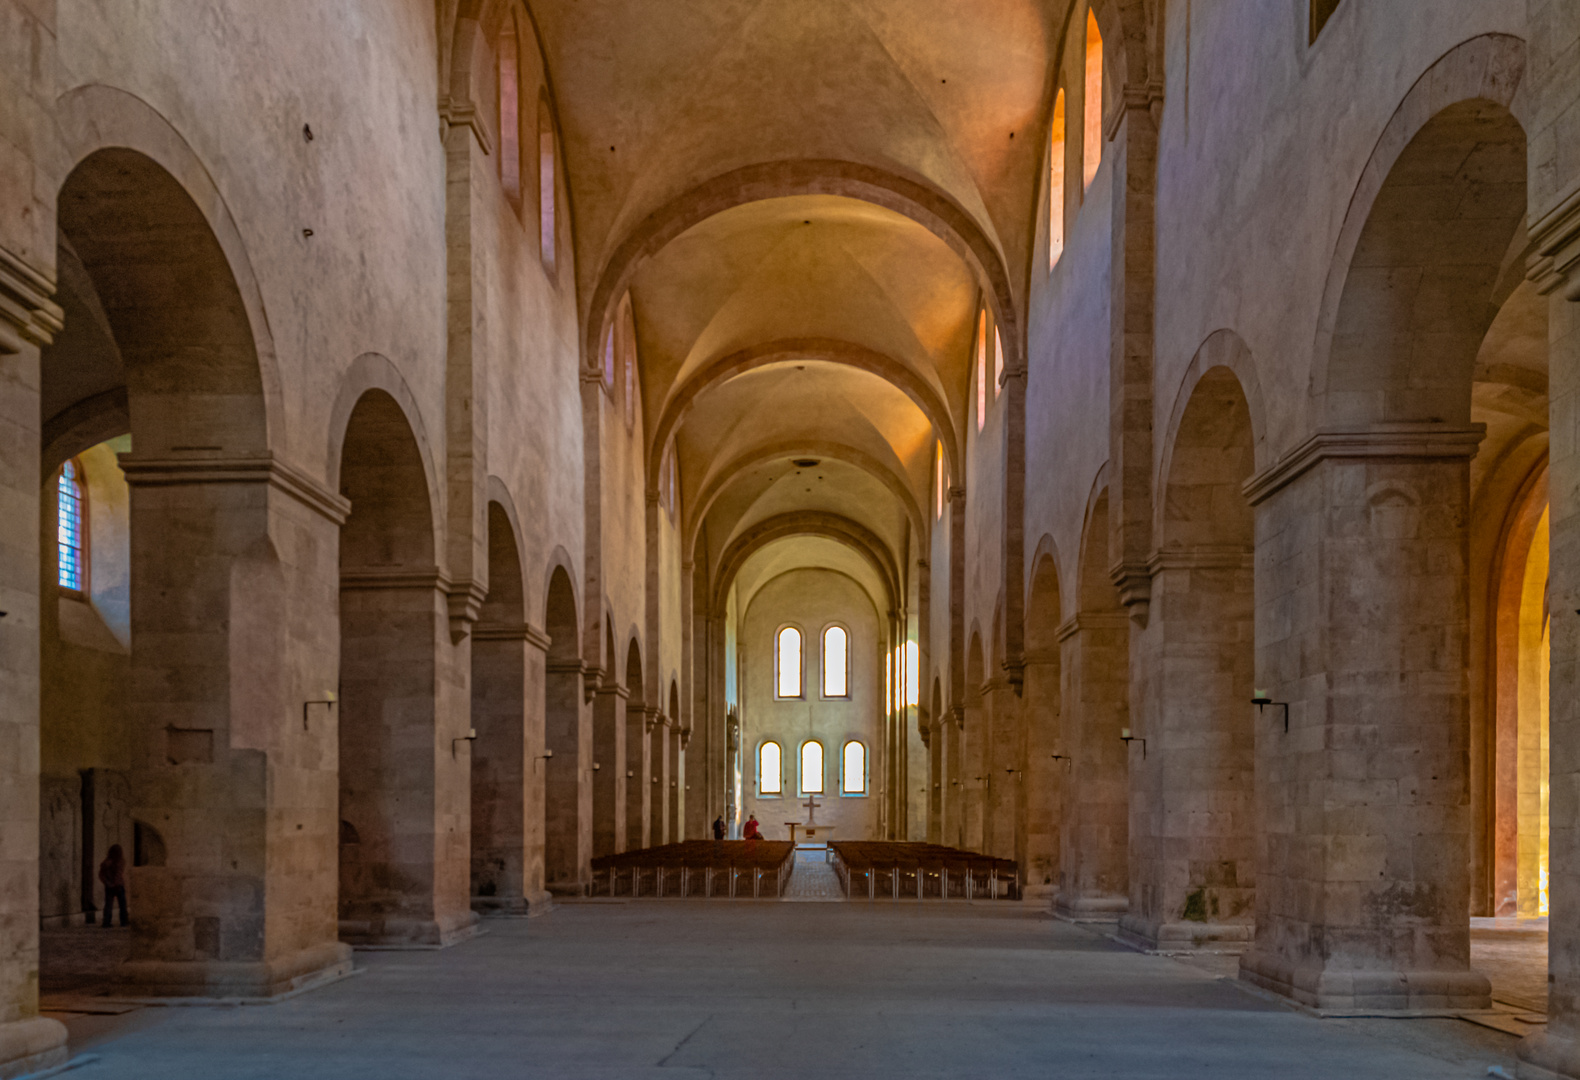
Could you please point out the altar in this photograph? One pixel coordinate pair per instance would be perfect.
(813, 836)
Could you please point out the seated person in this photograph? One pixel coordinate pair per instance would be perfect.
(751, 831)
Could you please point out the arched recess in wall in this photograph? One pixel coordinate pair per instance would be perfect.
(930, 208)
(501, 876)
(567, 806)
(369, 372)
(1199, 716)
(390, 627)
(1044, 761)
(97, 119)
(1409, 294)
(158, 341)
(1226, 350)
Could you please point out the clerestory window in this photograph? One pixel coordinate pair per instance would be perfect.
(787, 663)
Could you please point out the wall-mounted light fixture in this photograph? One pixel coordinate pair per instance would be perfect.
(596, 766)
(1127, 738)
(1263, 699)
(1069, 762)
(328, 700)
(470, 736)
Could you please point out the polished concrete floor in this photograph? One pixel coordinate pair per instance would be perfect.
(766, 991)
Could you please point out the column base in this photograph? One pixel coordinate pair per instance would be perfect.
(513, 907)
(1549, 1055)
(1186, 936)
(248, 981)
(1090, 907)
(568, 889)
(1318, 987)
(418, 934)
(30, 1046)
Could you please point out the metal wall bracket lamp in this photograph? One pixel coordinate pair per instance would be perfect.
(1069, 762)
(1263, 699)
(1127, 738)
(329, 699)
(470, 736)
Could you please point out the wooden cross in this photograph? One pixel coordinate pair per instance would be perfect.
(811, 810)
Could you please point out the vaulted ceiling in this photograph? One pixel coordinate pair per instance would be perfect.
(808, 203)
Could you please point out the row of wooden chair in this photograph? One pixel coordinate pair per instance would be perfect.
(700, 869)
(917, 871)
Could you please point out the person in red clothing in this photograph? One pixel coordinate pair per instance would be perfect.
(751, 832)
(112, 875)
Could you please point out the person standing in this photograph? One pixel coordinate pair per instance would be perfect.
(112, 875)
(718, 827)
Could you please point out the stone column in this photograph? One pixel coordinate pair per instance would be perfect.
(677, 782)
(608, 765)
(1094, 842)
(507, 774)
(638, 773)
(1362, 627)
(1043, 777)
(1554, 216)
(954, 775)
(1001, 769)
(567, 794)
(933, 735)
(233, 781)
(657, 780)
(28, 1042)
(1192, 823)
(405, 762)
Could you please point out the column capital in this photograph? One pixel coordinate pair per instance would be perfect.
(1555, 235)
(1388, 442)
(27, 314)
(150, 471)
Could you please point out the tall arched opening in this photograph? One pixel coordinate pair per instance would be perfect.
(405, 874)
(1192, 823)
(638, 755)
(567, 743)
(1094, 879)
(1045, 763)
(502, 775)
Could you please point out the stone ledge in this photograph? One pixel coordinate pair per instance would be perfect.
(32, 1045)
(27, 314)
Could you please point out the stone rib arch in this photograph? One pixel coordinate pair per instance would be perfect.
(720, 482)
(825, 350)
(98, 117)
(931, 209)
(1488, 69)
(813, 523)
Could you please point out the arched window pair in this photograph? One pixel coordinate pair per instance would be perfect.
(619, 352)
(853, 768)
(508, 80)
(836, 663)
(987, 331)
(1091, 139)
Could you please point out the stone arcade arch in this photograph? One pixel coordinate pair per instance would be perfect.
(567, 744)
(507, 792)
(166, 348)
(609, 756)
(405, 875)
(1193, 837)
(1044, 773)
(1371, 598)
(1095, 664)
(639, 763)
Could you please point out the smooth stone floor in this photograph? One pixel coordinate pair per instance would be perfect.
(771, 991)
